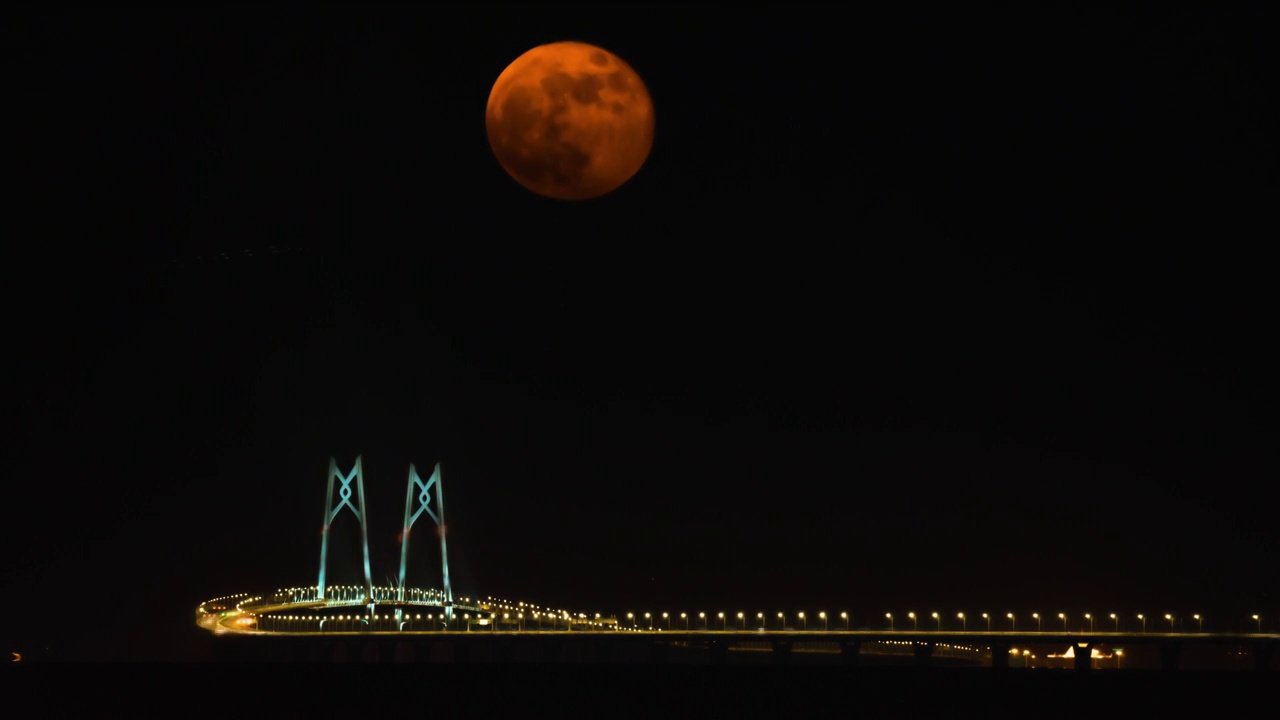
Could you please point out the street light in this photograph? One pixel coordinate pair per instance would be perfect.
(845, 616)
(1199, 622)
(888, 615)
(685, 618)
(915, 625)
(1063, 617)
(987, 617)
(760, 617)
(649, 617)
(1259, 621)
(1113, 617)
(667, 617)
(703, 617)
(1089, 617)
(782, 621)
(721, 616)
(632, 618)
(1039, 622)
(1013, 622)
(823, 615)
(939, 619)
(1169, 617)
(743, 618)
(964, 624)
(1144, 622)
(804, 624)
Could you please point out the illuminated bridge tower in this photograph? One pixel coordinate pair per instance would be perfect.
(330, 512)
(423, 497)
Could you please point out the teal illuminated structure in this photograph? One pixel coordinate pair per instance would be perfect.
(423, 496)
(331, 512)
(411, 516)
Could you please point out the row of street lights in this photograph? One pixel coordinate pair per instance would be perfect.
(760, 616)
(741, 617)
(1013, 621)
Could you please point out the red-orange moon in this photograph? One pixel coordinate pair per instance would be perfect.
(570, 121)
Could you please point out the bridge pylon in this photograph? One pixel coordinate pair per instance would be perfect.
(331, 512)
(424, 497)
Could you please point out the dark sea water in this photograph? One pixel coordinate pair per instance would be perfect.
(580, 690)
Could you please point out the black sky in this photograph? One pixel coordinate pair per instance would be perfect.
(967, 309)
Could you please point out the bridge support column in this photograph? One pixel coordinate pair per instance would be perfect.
(923, 651)
(603, 651)
(659, 652)
(851, 652)
(1000, 655)
(404, 652)
(1169, 655)
(719, 651)
(781, 651)
(1084, 656)
(1263, 653)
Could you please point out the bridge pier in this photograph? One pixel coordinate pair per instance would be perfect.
(719, 651)
(1000, 655)
(781, 651)
(405, 652)
(603, 651)
(1169, 656)
(660, 651)
(923, 652)
(851, 652)
(1084, 656)
(441, 651)
(1263, 654)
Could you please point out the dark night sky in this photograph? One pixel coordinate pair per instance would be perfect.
(959, 310)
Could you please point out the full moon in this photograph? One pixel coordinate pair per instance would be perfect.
(570, 121)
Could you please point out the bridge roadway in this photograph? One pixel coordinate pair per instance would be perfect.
(654, 645)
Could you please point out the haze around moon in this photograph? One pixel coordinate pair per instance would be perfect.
(570, 121)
